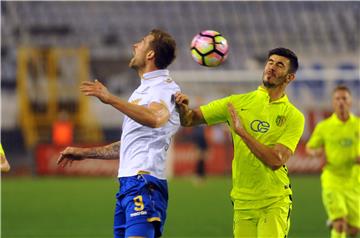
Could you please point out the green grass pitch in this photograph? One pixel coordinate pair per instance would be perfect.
(59, 207)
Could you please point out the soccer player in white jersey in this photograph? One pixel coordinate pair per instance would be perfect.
(150, 121)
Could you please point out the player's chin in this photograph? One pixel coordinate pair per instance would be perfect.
(130, 64)
(268, 83)
(266, 80)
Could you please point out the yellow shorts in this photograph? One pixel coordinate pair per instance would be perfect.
(341, 203)
(272, 221)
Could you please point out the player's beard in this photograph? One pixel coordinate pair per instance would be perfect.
(132, 63)
(268, 84)
(136, 63)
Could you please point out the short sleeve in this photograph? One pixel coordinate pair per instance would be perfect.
(293, 131)
(2, 150)
(164, 95)
(316, 139)
(216, 111)
(357, 125)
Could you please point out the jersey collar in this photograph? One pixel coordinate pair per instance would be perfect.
(283, 99)
(335, 119)
(154, 77)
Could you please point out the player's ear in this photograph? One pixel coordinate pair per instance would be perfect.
(150, 54)
(290, 77)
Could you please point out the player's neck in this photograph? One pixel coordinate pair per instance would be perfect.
(275, 93)
(343, 115)
(146, 69)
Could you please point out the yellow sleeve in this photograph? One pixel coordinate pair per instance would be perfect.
(316, 139)
(293, 132)
(216, 111)
(358, 136)
(2, 150)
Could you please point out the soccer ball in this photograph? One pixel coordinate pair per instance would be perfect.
(209, 48)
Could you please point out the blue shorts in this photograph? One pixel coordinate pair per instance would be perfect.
(141, 200)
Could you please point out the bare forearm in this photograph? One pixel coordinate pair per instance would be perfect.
(269, 156)
(314, 152)
(186, 118)
(138, 113)
(108, 152)
(191, 117)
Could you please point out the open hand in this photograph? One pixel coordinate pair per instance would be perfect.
(182, 102)
(68, 156)
(235, 124)
(96, 89)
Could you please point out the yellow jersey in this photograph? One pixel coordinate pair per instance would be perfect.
(341, 144)
(255, 185)
(2, 150)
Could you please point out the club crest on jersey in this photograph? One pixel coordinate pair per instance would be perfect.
(280, 120)
(168, 80)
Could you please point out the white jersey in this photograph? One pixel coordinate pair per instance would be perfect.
(143, 149)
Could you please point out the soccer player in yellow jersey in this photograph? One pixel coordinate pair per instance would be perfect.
(265, 129)
(338, 138)
(4, 164)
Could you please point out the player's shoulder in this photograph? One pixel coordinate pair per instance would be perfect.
(355, 118)
(170, 83)
(325, 123)
(167, 84)
(295, 112)
(243, 96)
(294, 109)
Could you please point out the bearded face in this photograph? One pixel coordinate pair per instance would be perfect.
(276, 71)
(140, 50)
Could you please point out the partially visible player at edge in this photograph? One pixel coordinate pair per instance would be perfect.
(150, 121)
(338, 138)
(265, 129)
(5, 166)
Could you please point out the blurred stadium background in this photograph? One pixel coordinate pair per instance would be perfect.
(48, 48)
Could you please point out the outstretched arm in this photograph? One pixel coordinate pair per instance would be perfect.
(315, 145)
(314, 152)
(154, 116)
(4, 164)
(274, 157)
(107, 152)
(188, 117)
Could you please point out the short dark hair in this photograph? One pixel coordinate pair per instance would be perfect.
(294, 64)
(341, 88)
(164, 46)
